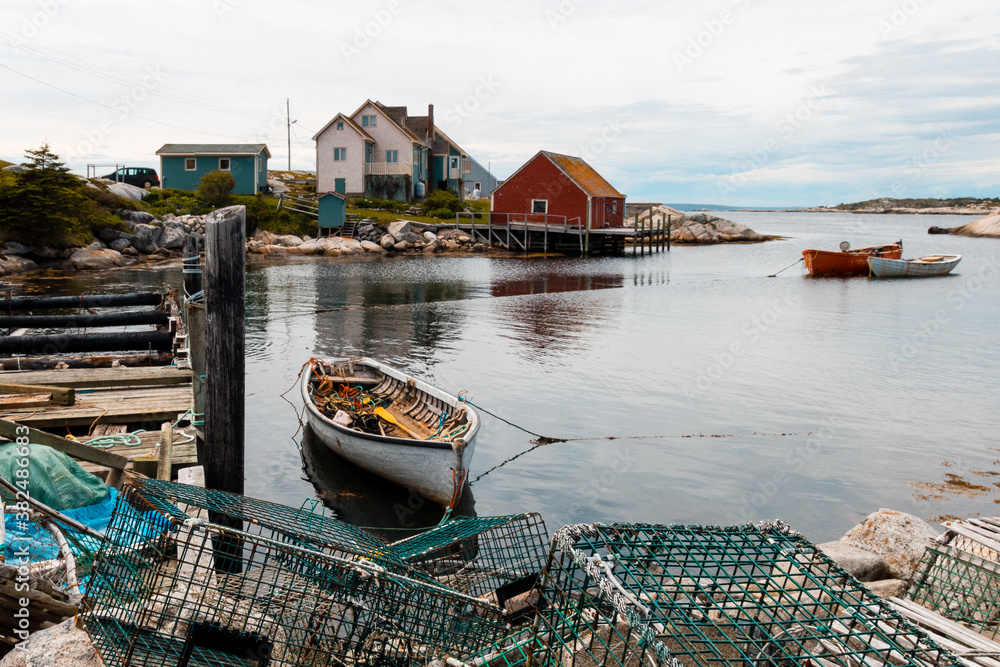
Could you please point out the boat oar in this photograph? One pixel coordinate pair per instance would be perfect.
(384, 414)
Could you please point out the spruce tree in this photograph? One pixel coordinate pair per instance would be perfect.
(42, 205)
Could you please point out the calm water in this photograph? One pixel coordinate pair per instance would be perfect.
(832, 397)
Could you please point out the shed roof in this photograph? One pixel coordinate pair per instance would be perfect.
(585, 176)
(213, 149)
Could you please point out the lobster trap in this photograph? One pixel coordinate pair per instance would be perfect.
(496, 558)
(627, 595)
(211, 578)
(960, 577)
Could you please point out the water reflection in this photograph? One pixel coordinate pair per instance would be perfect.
(363, 499)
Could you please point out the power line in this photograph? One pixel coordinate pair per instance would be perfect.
(98, 72)
(124, 111)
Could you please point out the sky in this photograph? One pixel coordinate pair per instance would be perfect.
(732, 102)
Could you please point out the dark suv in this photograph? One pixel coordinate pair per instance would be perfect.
(138, 176)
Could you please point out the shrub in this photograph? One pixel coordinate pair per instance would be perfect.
(442, 213)
(441, 199)
(216, 186)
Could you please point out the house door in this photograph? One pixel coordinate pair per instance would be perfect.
(340, 186)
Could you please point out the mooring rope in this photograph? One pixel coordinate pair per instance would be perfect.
(775, 275)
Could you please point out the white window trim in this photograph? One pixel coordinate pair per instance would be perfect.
(368, 120)
(392, 156)
(193, 161)
(340, 125)
(544, 201)
(229, 161)
(342, 151)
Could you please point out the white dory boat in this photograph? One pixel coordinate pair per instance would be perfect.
(932, 265)
(395, 426)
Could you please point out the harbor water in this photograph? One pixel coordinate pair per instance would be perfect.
(690, 386)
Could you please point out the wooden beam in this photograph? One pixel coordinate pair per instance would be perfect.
(93, 378)
(60, 395)
(22, 401)
(77, 450)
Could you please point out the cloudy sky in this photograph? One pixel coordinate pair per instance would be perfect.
(738, 102)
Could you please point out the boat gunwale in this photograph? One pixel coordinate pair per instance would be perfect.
(314, 411)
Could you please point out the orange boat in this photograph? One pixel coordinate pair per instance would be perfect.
(848, 262)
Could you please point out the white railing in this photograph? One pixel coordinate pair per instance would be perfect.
(388, 168)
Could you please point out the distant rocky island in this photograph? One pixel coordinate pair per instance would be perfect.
(885, 205)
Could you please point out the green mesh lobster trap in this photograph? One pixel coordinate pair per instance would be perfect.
(194, 577)
(498, 558)
(627, 595)
(960, 577)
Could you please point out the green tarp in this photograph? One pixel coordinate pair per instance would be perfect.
(50, 476)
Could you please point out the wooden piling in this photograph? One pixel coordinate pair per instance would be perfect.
(225, 378)
(225, 306)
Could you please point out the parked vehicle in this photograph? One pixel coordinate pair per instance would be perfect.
(848, 262)
(141, 177)
(395, 426)
(932, 265)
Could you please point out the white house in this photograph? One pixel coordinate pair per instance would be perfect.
(382, 151)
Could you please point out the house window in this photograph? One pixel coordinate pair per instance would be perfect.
(479, 186)
(392, 156)
(190, 164)
(368, 121)
(339, 154)
(340, 125)
(468, 166)
(453, 163)
(223, 164)
(539, 205)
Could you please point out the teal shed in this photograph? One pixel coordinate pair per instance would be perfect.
(332, 210)
(183, 165)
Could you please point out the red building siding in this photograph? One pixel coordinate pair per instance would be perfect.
(540, 178)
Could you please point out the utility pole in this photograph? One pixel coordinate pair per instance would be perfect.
(288, 122)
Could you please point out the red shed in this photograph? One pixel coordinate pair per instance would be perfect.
(558, 189)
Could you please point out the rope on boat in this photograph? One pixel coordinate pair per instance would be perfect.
(775, 275)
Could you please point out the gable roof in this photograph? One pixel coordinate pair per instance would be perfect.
(381, 108)
(448, 140)
(585, 176)
(577, 170)
(213, 149)
(354, 126)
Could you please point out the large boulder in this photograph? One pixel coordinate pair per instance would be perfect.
(57, 646)
(120, 244)
(387, 241)
(288, 240)
(85, 259)
(899, 538)
(108, 235)
(146, 238)
(863, 565)
(127, 191)
(136, 217)
(13, 264)
(172, 238)
(15, 168)
(14, 248)
(398, 228)
(988, 227)
(368, 246)
(697, 227)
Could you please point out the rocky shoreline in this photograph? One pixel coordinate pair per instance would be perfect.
(988, 227)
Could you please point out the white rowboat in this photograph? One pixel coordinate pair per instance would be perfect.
(425, 437)
(932, 265)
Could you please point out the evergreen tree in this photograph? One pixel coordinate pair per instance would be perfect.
(44, 203)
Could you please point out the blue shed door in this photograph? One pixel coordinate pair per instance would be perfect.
(340, 186)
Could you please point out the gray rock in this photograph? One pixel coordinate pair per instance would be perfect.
(480, 247)
(58, 646)
(409, 237)
(84, 259)
(147, 238)
(387, 241)
(429, 236)
(108, 235)
(366, 229)
(368, 246)
(402, 246)
(96, 245)
(397, 228)
(899, 538)
(863, 565)
(431, 247)
(127, 191)
(15, 168)
(887, 588)
(45, 252)
(172, 238)
(288, 241)
(15, 248)
(14, 264)
(120, 244)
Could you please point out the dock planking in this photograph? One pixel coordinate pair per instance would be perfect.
(90, 378)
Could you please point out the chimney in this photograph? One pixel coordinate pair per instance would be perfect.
(430, 122)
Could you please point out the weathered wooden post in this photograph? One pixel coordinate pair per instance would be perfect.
(225, 406)
(670, 219)
(195, 313)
